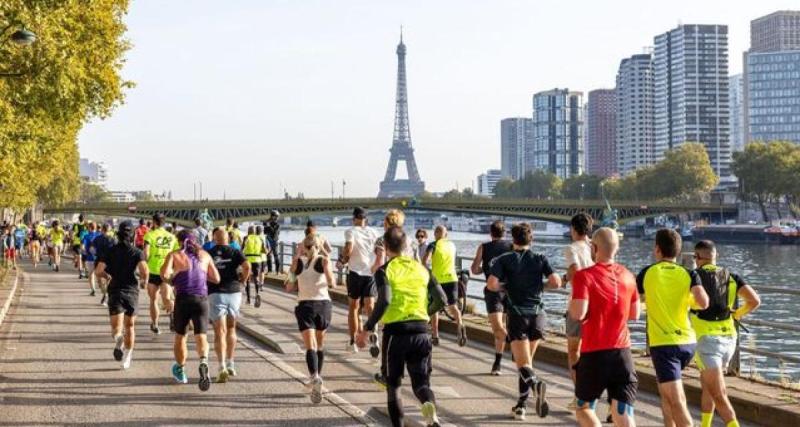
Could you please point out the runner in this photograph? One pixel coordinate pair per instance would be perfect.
(311, 228)
(200, 232)
(356, 254)
(521, 274)
(57, 242)
(272, 228)
(158, 243)
(496, 302)
(604, 299)
(442, 256)
(78, 231)
(263, 267)
(224, 301)
(236, 234)
(403, 289)
(141, 230)
(89, 256)
(578, 255)
(189, 269)
(312, 278)
(99, 245)
(716, 330)
(119, 264)
(9, 252)
(37, 234)
(253, 249)
(422, 242)
(666, 289)
(20, 239)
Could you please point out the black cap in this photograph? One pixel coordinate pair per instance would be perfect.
(125, 227)
(359, 213)
(159, 217)
(310, 223)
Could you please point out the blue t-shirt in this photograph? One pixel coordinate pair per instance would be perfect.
(208, 245)
(87, 249)
(19, 237)
(235, 245)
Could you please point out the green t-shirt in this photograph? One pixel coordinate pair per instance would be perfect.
(159, 243)
(666, 287)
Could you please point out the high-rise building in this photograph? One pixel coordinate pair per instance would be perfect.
(772, 78)
(601, 119)
(93, 172)
(487, 182)
(516, 138)
(635, 140)
(690, 78)
(736, 88)
(557, 133)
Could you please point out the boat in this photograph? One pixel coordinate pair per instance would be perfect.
(747, 233)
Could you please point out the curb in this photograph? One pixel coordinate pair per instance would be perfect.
(262, 334)
(10, 299)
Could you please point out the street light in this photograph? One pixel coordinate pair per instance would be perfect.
(23, 37)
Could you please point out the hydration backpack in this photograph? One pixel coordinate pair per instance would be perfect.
(721, 297)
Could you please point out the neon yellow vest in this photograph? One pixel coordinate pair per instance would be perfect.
(724, 327)
(443, 261)
(408, 280)
(252, 248)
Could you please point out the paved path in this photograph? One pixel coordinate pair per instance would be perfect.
(56, 369)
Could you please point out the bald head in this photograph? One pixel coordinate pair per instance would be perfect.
(440, 232)
(606, 241)
(220, 236)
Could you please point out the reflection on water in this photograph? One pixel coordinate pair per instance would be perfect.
(757, 264)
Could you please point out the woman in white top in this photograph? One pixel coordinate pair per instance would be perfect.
(312, 278)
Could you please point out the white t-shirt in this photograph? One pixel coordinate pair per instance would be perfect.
(362, 256)
(579, 253)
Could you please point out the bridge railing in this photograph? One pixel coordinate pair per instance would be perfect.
(287, 251)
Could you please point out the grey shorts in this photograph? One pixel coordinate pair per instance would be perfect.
(221, 304)
(573, 327)
(714, 351)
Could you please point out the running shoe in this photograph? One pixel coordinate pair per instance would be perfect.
(462, 336)
(179, 374)
(518, 412)
(205, 380)
(496, 368)
(429, 413)
(435, 341)
(374, 350)
(222, 376)
(542, 407)
(118, 348)
(92, 293)
(257, 303)
(154, 329)
(316, 390)
(380, 380)
(351, 346)
(126, 358)
(231, 368)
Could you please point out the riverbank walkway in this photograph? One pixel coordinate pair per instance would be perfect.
(56, 368)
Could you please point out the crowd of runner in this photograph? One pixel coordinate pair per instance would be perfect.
(400, 284)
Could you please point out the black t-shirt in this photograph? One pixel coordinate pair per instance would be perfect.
(102, 243)
(492, 250)
(523, 273)
(273, 230)
(227, 260)
(121, 261)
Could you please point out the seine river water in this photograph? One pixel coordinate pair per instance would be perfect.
(758, 264)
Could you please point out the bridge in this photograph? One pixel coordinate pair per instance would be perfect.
(559, 211)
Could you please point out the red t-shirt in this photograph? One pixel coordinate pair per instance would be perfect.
(610, 289)
(138, 237)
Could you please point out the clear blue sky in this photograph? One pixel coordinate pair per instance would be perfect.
(253, 96)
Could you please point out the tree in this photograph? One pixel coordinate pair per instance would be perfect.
(582, 187)
(67, 77)
(685, 173)
(536, 184)
(93, 193)
(769, 172)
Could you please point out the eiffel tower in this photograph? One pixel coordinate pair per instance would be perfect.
(401, 142)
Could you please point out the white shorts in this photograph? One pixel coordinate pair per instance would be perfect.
(714, 351)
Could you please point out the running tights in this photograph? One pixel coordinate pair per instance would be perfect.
(422, 390)
(526, 381)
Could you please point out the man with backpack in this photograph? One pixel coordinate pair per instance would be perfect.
(716, 330)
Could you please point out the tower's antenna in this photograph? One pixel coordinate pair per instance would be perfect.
(401, 34)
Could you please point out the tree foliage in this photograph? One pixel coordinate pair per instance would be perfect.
(769, 172)
(93, 193)
(70, 75)
(536, 184)
(582, 187)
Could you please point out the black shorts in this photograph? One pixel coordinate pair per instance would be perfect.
(451, 292)
(154, 279)
(359, 286)
(76, 249)
(526, 327)
(194, 308)
(670, 360)
(610, 370)
(123, 302)
(496, 302)
(401, 352)
(313, 315)
(255, 268)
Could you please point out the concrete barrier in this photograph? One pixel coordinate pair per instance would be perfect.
(8, 296)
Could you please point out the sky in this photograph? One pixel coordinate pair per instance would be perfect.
(254, 97)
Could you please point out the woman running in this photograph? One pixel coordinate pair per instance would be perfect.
(36, 243)
(57, 235)
(312, 276)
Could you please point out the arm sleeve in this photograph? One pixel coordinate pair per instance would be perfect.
(384, 299)
(740, 283)
(547, 270)
(640, 280)
(695, 279)
(580, 288)
(437, 295)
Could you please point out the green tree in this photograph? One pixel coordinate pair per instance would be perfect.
(685, 173)
(754, 168)
(93, 193)
(536, 184)
(582, 187)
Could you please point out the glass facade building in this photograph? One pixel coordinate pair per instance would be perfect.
(516, 139)
(601, 119)
(558, 133)
(635, 143)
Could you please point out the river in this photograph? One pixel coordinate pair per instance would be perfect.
(757, 264)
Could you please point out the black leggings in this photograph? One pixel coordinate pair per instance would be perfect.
(411, 352)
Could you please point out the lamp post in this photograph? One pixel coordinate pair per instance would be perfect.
(582, 185)
(21, 37)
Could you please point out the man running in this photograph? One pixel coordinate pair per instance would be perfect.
(200, 232)
(79, 230)
(158, 243)
(522, 273)
(403, 289)
(604, 299)
(442, 256)
(496, 302)
(357, 255)
(89, 256)
(578, 255)
(272, 229)
(20, 238)
(99, 245)
(716, 330)
(667, 288)
(57, 242)
(119, 264)
(189, 270)
(254, 247)
(141, 230)
(225, 300)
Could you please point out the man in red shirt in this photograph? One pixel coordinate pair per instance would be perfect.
(604, 299)
(138, 237)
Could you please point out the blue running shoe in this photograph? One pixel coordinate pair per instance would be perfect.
(179, 374)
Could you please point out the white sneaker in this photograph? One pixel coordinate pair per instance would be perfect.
(519, 413)
(351, 347)
(316, 390)
(126, 358)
